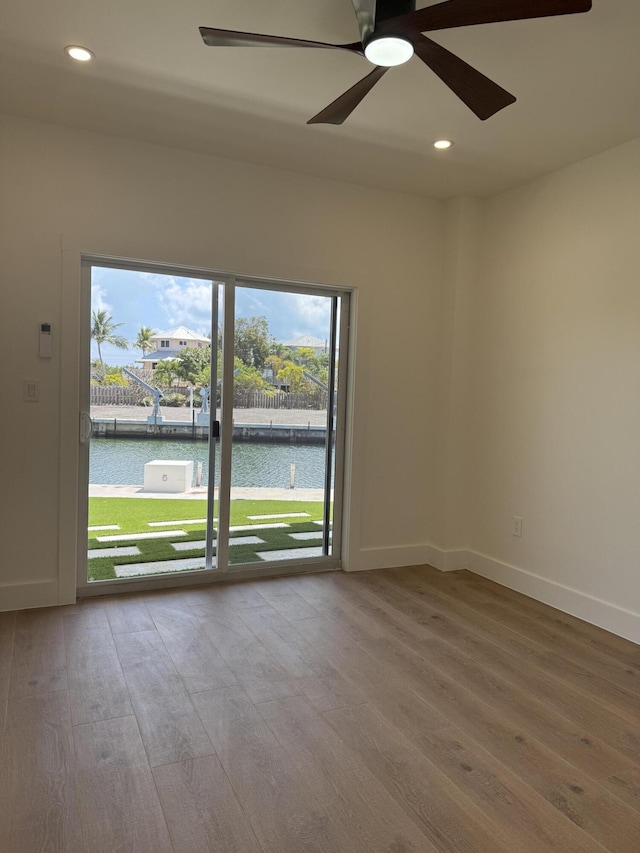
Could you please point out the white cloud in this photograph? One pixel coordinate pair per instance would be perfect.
(313, 314)
(187, 303)
(98, 302)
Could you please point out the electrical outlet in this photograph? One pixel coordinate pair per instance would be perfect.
(516, 527)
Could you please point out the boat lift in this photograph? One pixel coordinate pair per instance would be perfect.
(315, 380)
(155, 417)
(203, 414)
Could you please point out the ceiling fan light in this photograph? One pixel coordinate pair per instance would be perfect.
(80, 54)
(388, 51)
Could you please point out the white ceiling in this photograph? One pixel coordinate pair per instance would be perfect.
(577, 80)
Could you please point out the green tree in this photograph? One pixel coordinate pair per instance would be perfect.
(318, 365)
(106, 374)
(281, 350)
(103, 332)
(247, 378)
(276, 362)
(191, 365)
(165, 372)
(292, 375)
(143, 341)
(115, 379)
(290, 371)
(252, 341)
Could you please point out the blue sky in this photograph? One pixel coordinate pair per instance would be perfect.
(137, 299)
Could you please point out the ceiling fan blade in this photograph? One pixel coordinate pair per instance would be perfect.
(484, 97)
(465, 13)
(230, 38)
(343, 106)
(366, 14)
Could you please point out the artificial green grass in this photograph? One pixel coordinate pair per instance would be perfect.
(134, 514)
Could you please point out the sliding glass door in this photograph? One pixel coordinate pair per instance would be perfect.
(284, 408)
(211, 426)
(148, 428)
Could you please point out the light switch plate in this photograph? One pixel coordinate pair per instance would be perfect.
(30, 390)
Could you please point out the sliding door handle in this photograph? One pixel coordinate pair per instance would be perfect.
(86, 427)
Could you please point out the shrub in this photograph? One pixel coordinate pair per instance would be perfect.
(173, 400)
(115, 379)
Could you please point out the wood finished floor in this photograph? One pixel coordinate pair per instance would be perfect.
(400, 710)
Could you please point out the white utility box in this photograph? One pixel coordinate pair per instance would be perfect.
(165, 475)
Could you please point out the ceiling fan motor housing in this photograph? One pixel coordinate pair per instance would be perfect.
(384, 46)
(386, 9)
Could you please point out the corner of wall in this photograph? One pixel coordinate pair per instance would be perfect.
(460, 275)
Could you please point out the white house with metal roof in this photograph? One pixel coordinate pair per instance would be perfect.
(170, 343)
(319, 346)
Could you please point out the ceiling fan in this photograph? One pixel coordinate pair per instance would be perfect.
(391, 31)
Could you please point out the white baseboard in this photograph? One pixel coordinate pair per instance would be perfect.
(410, 555)
(450, 561)
(394, 558)
(605, 614)
(21, 596)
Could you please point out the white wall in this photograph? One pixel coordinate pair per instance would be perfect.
(497, 363)
(67, 189)
(551, 378)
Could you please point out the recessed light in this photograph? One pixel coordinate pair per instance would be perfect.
(80, 54)
(442, 144)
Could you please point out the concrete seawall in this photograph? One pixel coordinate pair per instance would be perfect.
(256, 432)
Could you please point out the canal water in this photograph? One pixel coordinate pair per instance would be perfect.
(254, 465)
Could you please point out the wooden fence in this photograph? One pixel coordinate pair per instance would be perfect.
(121, 395)
(116, 395)
(279, 400)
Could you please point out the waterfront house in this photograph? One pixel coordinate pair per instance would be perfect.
(170, 343)
(318, 346)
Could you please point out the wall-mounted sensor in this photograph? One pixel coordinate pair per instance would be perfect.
(45, 349)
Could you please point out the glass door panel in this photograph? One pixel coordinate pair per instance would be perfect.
(151, 502)
(285, 346)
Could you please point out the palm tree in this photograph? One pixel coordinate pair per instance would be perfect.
(103, 332)
(143, 341)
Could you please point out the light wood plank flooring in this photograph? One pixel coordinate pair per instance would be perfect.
(400, 710)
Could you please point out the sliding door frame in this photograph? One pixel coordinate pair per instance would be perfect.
(336, 425)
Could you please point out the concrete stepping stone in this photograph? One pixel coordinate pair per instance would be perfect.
(314, 534)
(240, 527)
(95, 528)
(180, 521)
(279, 515)
(123, 551)
(157, 566)
(238, 540)
(190, 546)
(133, 537)
(290, 554)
